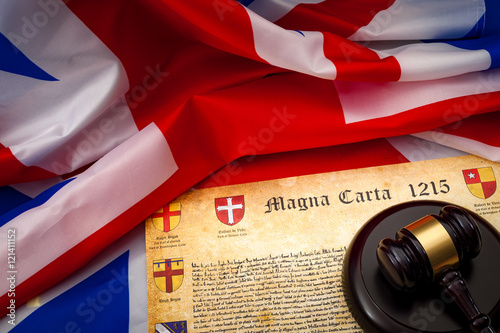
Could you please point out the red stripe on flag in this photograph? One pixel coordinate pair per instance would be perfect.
(354, 61)
(482, 127)
(185, 45)
(341, 17)
(76, 257)
(13, 171)
(303, 162)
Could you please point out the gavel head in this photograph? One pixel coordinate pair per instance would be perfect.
(427, 247)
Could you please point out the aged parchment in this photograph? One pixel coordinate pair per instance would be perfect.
(267, 256)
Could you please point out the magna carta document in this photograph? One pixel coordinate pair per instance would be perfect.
(267, 256)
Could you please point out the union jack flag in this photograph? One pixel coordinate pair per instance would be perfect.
(111, 109)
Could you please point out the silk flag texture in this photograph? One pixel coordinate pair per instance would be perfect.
(108, 110)
(109, 293)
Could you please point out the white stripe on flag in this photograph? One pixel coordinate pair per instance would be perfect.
(371, 100)
(416, 149)
(300, 51)
(65, 124)
(111, 186)
(430, 61)
(32, 189)
(132, 242)
(470, 146)
(273, 10)
(423, 19)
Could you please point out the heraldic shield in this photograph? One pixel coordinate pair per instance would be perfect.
(172, 327)
(168, 274)
(230, 210)
(481, 182)
(168, 217)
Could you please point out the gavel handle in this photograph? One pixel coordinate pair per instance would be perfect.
(456, 289)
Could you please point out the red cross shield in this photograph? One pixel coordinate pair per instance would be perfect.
(168, 274)
(168, 217)
(230, 210)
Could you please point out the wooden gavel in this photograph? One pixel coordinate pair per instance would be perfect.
(430, 250)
